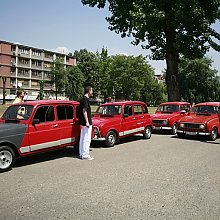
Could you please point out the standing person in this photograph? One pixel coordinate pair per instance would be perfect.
(20, 97)
(85, 120)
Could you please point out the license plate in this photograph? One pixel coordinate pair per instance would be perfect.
(190, 133)
(157, 128)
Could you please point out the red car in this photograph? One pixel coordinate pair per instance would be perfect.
(36, 126)
(115, 120)
(202, 121)
(168, 114)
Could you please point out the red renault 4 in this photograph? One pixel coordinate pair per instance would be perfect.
(202, 121)
(36, 126)
(168, 114)
(116, 120)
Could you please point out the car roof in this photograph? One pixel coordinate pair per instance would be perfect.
(123, 103)
(175, 103)
(209, 103)
(47, 102)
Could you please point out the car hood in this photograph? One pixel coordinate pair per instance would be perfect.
(197, 118)
(99, 121)
(11, 129)
(163, 116)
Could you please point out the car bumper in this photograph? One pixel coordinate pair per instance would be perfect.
(96, 138)
(193, 133)
(161, 128)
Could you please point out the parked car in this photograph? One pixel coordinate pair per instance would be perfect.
(36, 126)
(168, 114)
(115, 120)
(202, 121)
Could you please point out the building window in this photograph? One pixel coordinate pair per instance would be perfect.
(23, 72)
(48, 55)
(23, 61)
(47, 65)
(36, 53)
(23, 50)
(36, 73)
(36, 63)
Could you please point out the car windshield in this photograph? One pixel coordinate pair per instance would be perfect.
(205, 109)
(109, 110)
(168, 108)
(18, 112)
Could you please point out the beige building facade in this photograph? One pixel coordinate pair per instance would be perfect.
(24, 66)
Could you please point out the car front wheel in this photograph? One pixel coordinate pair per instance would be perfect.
(147, 132)
(174, 128)
(7, 158)
(214, 134)
(110, 139)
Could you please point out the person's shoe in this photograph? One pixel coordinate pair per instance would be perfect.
(88, 158)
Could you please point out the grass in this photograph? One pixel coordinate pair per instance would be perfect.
(93, 108)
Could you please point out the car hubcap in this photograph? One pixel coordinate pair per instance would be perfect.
(148, 132)
(111, 139)
(214, 134)
(5, 159)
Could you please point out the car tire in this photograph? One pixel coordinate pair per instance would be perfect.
(174, 128)
(110, 139)
(214, 134)
(180, 135)
(147, 132)
(7, 158)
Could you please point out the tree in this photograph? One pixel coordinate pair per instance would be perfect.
(168, 28)
(4, 79)
(58, 76)
(129, 77)
(41, 93)
(74, 83)
(89, 65)
(198, 81)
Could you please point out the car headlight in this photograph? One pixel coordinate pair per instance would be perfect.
(181, 125)
(96, 130)
(202, 126)
(165, 122)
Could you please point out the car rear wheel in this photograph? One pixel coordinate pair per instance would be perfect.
(7, 158)
(214, 134)
(110, 139)
(147, 132)
(174, 128)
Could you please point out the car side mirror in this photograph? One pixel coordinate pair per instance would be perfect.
(35, 121)
(125, 115)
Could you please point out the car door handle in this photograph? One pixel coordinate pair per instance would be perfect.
(55, 126)
(72, 123)
(142, 117)
(133, 118)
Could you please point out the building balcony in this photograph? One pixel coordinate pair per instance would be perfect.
(36, 67)
(36, 77)
(23, 75)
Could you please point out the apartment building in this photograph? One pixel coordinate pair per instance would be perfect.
(25, 66)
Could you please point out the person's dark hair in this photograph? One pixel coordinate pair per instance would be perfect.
(87, 89)
(19, 92)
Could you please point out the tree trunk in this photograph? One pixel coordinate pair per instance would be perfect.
(172, 58)
(4, 89)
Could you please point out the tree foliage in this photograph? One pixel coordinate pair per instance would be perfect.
(58, 76)
(198, 81)
(168, 28)
(74, 83)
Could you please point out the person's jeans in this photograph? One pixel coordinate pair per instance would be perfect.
(85, 140)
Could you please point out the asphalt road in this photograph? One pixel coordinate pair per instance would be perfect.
(160, 178)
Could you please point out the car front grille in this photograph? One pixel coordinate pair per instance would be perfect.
(191, 126)
(159, 122)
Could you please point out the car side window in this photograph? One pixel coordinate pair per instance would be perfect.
(45, 114)
(185, 107)
(145, 109)
(137, 109)
(128, 110)
(65, 112)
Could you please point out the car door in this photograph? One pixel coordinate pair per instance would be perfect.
(140, 117)
(44, 132)
(129, 123)
(68, 126)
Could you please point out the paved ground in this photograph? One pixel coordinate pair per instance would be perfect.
(161, 178)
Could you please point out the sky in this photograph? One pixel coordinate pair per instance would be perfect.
(68, 25)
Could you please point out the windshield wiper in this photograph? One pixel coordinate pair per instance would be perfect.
(11, 120)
